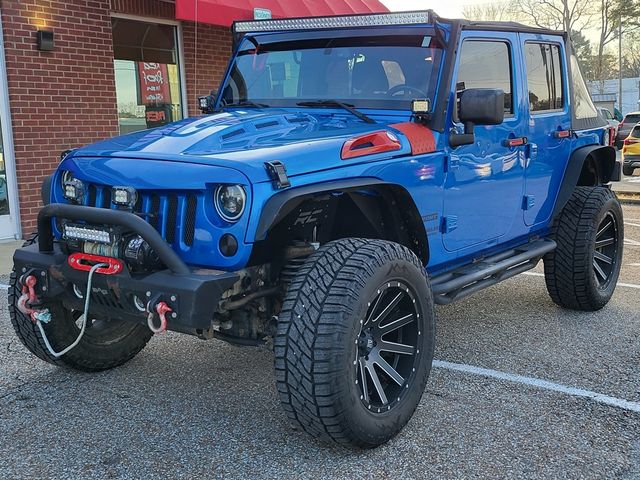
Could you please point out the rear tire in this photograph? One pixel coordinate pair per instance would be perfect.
(106, 343)
(581, 274)
(353, 306)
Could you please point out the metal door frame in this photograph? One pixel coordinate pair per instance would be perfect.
(9, 224)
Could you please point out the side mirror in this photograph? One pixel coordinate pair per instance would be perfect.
(478, 106)
(207, 102)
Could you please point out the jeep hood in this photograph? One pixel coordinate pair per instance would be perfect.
(246, 139)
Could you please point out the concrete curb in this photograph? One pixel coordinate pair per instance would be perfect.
(629, 197)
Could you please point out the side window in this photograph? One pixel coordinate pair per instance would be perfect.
(544, 77)
(486, 64)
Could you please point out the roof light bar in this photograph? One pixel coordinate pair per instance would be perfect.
(342, 21)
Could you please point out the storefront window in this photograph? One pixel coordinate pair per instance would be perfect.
(147, 74)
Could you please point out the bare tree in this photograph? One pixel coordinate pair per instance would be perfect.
(567, 15)
(616, 17)
(490, 12)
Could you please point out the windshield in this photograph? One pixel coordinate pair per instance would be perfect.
(367, 72)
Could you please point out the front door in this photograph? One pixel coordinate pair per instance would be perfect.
(484, 182)
(549, 124)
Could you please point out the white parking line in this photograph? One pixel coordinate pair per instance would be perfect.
(632, 224)
(4, 287)
(632, 243)
(544, 384)
(620, 284)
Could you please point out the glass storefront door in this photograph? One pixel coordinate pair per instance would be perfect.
(147, 71)
(8, 210)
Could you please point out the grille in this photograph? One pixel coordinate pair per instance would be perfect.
(173, 214)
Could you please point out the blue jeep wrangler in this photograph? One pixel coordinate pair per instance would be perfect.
(350, 173)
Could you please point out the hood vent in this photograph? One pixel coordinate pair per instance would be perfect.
(270, 123)
(233, 133)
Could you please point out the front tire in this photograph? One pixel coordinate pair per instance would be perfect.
(355, 342)
(107, 343)
(581, 274)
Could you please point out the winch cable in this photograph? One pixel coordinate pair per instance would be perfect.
(84, 317)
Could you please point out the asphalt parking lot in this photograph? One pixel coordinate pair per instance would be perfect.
(185, 408)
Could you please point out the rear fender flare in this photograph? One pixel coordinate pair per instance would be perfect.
(607, 170)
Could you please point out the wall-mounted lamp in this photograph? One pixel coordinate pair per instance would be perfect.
(45, 40)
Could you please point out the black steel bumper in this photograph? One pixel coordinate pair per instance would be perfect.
(192, 294)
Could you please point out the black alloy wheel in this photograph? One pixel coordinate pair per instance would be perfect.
(606, 249)
(387, 347)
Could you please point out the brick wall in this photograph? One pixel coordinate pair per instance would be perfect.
(206, 64)
(59, 99)
(66, 98)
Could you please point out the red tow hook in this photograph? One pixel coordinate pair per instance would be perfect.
(29, 298)
(28, 286)
(161, 309)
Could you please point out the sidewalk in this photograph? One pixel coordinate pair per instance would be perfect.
(6, 255)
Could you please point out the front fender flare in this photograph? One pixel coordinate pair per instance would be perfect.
(280, 204)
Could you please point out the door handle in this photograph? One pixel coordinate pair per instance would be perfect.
(563, 134)
(515, 142)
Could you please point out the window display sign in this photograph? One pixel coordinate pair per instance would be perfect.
(153, 81)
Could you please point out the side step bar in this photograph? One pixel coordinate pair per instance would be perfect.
(458, 284)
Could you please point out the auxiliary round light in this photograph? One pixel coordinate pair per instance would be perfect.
(230, 202)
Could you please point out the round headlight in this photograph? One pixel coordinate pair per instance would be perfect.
(230, 201)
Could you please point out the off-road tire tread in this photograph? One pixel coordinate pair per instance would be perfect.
(312, 319)
(568, 268)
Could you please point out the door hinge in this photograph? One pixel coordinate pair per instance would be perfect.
(451, 163)
(449, 223)
(528, 202)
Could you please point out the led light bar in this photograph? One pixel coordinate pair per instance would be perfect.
(342, 21)
(89, 234)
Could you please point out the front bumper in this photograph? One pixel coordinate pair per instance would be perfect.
(192, 294)
(631, 161)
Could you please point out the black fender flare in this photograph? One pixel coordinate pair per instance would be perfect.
(609, 170)
(281, 204)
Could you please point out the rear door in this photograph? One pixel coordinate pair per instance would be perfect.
(549, 126)
(484, 182)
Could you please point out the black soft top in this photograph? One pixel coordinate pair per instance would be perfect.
(507, 27)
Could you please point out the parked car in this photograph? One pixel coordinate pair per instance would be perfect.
(350, 173)
(626, 125)
(631, 151)
(609, 117)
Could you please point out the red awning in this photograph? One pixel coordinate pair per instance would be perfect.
(224, 12)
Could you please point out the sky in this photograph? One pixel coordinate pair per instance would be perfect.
(449, 8)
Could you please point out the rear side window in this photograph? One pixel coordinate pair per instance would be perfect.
(544, 77)
(632, 118)
(486, 64)
(635, 133)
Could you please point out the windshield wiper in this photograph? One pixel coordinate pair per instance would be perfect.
(245, 103)
(334, 103)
